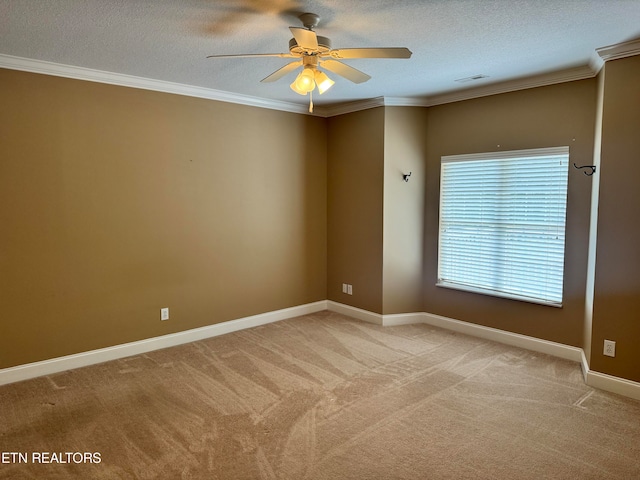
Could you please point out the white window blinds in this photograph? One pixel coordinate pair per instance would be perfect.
(502, 223)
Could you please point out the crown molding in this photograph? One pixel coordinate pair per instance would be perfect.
(551, 78)
(619, 50)
(349, 107)
(405, 102)
(100, 76)
(595, 62)
(567, 75)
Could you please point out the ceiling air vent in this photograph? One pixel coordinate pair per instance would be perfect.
(471, 79)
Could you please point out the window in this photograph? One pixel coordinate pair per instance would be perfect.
(502, 223)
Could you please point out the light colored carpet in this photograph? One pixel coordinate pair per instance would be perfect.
(324, 397)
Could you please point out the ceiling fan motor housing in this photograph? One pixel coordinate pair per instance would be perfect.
(324, 45)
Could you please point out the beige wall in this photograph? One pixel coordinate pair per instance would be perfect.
(616, 298)
(549, 116)
(405, 144)
(115, 202)
(375, 231)
(355, 207)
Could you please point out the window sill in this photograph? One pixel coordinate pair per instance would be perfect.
(495, 293)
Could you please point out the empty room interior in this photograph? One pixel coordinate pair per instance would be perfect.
(203, 275)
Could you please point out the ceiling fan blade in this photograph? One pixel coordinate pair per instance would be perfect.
(344, 70)
(248, 55)
(281, 72)
(391, 52)
(306, 39)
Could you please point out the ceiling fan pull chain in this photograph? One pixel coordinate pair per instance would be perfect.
(311, 101)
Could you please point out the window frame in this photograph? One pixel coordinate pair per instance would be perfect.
(525, 155)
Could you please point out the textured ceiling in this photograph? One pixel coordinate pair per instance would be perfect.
(450, 39)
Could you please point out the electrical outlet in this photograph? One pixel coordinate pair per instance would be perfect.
(344, 288)
(349, 289)
(609, 348)
(164, 313)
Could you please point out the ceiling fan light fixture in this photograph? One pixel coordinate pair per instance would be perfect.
(323, 82)
(296, 89)
(305, 82)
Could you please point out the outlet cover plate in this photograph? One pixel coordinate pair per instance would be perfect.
(164, 314)
(609, 348)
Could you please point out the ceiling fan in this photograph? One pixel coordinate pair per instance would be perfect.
(314, 51)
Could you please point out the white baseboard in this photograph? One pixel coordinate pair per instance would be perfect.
(621, 386)
(599, 380)
(360, 314)
(594, 379)
(84, 359)
(618, 385)
(402, 319)
(508, 338)
(584, 364)
(514, 339)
